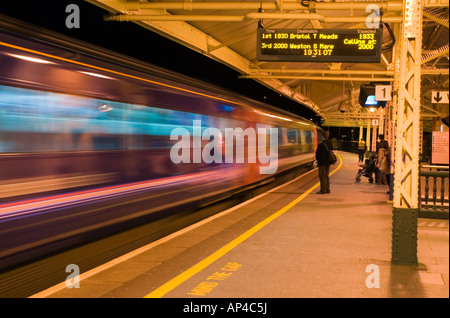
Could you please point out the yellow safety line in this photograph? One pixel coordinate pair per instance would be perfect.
(173, 283)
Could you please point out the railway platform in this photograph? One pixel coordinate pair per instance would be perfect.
(287, 243)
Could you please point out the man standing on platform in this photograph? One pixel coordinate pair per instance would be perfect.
(322, 157)
(361, 150)
(383, 160)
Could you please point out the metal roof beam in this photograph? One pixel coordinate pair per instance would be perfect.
(321, 78)
(436, 53)
(354, 115)
(242, 37)
(347, 72)
(437, 71)
(315, 71)
(436, 18)
(246, 17)
(434, 112)
(435, 3)
(286, 6)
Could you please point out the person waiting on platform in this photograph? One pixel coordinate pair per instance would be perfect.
(322, 157)
(361, 150)
(368, 168)
(383, 160)
(382, 143)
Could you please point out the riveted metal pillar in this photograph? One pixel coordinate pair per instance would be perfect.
(389, 136)
(373, 145)
(406, 166)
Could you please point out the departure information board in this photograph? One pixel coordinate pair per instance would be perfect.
(298, 45)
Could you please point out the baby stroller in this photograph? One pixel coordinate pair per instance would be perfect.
(368, 169)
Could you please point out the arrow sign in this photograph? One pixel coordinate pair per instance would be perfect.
(439, 97)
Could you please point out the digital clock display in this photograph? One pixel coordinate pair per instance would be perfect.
(298, 45)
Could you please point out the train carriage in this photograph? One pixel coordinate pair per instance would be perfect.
(82, 129)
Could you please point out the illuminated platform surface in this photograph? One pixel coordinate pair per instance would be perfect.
(319, 247)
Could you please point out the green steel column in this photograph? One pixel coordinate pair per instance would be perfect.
(406, 166)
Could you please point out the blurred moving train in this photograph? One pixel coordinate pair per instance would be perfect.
(85, 140)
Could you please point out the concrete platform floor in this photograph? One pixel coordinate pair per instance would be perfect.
(335, 245)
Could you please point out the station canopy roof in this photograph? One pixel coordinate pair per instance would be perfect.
(227, 32)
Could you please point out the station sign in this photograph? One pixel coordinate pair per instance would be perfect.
(383, 92)
(324, 45)
(439, 149)
(439, 97)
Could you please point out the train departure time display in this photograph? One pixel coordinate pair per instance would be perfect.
(339, 45)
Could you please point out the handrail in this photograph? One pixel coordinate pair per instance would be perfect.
(435, 167)
(439, 174)
(437, 205)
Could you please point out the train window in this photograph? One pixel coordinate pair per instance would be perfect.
(42, 121)
(308, 137)
(292, 137)
(39, 121)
